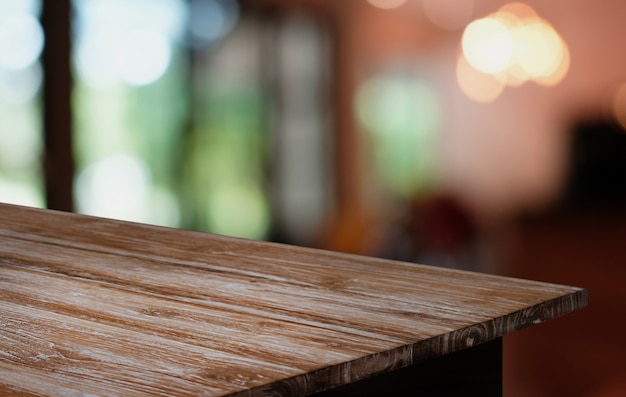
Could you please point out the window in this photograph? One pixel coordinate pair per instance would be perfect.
(205, 114)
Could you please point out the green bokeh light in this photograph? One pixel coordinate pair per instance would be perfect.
(402, 116)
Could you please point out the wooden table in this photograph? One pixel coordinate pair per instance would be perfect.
(94, 307)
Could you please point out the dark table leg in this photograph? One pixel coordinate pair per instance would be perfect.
(476, 371)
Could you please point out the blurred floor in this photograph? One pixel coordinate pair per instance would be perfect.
(582, 354)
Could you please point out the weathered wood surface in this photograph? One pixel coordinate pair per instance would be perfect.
(93, 307)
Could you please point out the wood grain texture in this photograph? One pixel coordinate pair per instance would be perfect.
(95, 307)
(475, 371)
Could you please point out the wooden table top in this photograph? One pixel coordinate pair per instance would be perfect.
(94, 307)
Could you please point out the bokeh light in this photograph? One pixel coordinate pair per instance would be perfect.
(143, 57)
(130, 42)
(402, 115)
(21, 44)
(487, 45)
(557, 74)
(21, 86)
(227, 217)
(211, 20)
(21, 41)
(389, 104)
(120, 187)
(114, 187)
(514, 45)
(449, 14)
(13, 192)
(539, 52)
(478, 86)
(387, 4)
(30, 7)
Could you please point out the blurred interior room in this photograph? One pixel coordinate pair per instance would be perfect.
(483, 135)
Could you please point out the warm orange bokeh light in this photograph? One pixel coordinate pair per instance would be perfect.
(515, 45)
(479, 87)
(487, 45)
(519, 10)
(542, 48)
(559, 73)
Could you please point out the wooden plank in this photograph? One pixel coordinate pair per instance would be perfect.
(101, 307)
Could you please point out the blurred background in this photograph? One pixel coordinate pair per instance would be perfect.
(475, 134)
